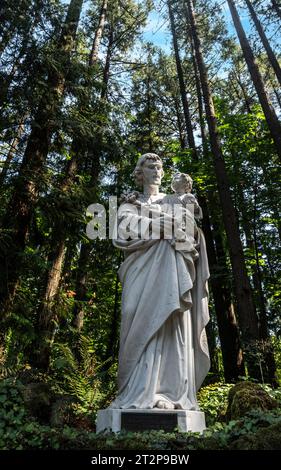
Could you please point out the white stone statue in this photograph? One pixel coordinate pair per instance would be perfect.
(182, 186)
(163, 357)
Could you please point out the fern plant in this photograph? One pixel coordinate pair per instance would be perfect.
(75, 372)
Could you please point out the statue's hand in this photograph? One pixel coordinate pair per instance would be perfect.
(130, 197)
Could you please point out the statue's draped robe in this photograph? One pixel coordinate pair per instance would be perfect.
(163, 347)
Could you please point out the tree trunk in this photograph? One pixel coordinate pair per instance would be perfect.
(20, 208)
(46, 311)
(47, 322)
(213, 350)
(48, 318)
(271, 56)
(94, 157)
(148, 103)
(226, 319)
(179, 123)
(245, 306)
(106, 69)
(186, 111)
(47, 314)
(277, 95)
(113, 336)
(200, 99)
(270, 115)
(269, 359)
(98, 35)
(227, 325)
(232, 356)
(81, 287)
(269, 366)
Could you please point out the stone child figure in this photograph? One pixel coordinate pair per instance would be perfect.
(185, 210)
(182, 186)
(163, 355)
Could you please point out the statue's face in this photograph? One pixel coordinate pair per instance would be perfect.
(181, 183)
(152, 172)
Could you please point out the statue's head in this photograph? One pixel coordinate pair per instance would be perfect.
(182, 183)
(149, 170)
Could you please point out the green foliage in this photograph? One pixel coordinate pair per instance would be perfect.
(12, 411)
(74, 372)
(19, 430)
(213, 401)
(232, 434)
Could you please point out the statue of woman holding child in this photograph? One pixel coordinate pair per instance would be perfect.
(163, 357)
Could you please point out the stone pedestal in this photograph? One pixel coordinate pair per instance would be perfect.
(116, 420)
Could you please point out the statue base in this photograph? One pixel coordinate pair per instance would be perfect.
(134, 420)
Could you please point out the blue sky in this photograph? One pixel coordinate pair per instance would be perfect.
(157, 30)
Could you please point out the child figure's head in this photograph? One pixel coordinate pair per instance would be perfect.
(181, 183)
